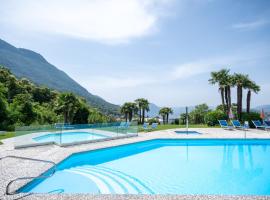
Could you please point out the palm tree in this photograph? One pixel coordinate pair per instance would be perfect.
(229, 83)
(165, 112)
(124, 110)
(139, 104)
(162, 112)
(143, 105)
(169, 111)
(223, 79)
(252, 87)
(67, 104)
(129, 108)
(241, 81)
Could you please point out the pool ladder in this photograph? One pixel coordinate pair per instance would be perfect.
(8, 192)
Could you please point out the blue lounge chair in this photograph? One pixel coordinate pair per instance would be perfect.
(236, 124)
(154, 125)
(266, 123)
(258, 124)
(146, 126)
(224, 124)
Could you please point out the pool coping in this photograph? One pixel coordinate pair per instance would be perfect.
(106, 144)
(28, 139)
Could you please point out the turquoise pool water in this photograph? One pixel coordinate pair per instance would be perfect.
(187, 132)
(227, 167)
(68, 137)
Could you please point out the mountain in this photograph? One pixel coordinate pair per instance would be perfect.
(31, 65)
(177, 111)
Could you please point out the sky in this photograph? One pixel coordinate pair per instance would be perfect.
(162, 50)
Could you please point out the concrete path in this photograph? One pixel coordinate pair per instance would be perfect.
(11, 169)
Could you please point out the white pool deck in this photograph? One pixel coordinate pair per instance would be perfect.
(11, 168)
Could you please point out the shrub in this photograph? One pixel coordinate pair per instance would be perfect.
(212, 117)
(197, 116)
(183, 118)
(176, 121)
(152, 120)
(250, 116)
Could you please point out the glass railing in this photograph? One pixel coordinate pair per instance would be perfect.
(69, 134)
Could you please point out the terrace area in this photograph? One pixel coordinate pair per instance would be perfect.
(12, 168)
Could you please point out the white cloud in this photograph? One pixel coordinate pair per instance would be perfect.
(190, 69)
(250, 25)
(109, 82)
(110, 21)
(150, 77)
(160, 85)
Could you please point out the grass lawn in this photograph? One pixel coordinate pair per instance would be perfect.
(173, 126)
(7, 135)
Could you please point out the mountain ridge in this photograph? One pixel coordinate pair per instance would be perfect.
(33, 66)
(154, 109)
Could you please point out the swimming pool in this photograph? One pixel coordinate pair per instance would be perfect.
(167, 166)
(68, 137)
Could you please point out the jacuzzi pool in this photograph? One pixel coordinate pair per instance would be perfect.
(68, 137)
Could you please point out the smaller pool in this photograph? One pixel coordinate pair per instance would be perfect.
(187, 132)
(68, 137)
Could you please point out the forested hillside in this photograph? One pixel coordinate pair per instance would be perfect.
(31, 65)
(24, 103)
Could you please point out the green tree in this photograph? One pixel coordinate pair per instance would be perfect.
(43, 94)
(24, 103)
(22, 109)
(3, 106)
(165, 112)
(81, 116)
(223, 79)
(240, 81)
(183, 118)
(212, 117)
(82, 113)
(129, 109)
(169, 111)
(197, 116)
(46, 114)
(252, 87)
(124, 110)
(143, 105)
(162, 113)
(96, 117)
(67, 104)
(26, 86)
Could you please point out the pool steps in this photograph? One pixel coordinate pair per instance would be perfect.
(111, 181)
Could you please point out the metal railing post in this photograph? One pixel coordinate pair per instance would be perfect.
(25, 178)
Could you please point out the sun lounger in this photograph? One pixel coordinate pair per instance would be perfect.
(266, 123)
(236, 124)
(154, 125)
(146, 126)
(258, 124)
(224, 124)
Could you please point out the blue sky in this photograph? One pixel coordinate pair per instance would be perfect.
(163, 50)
